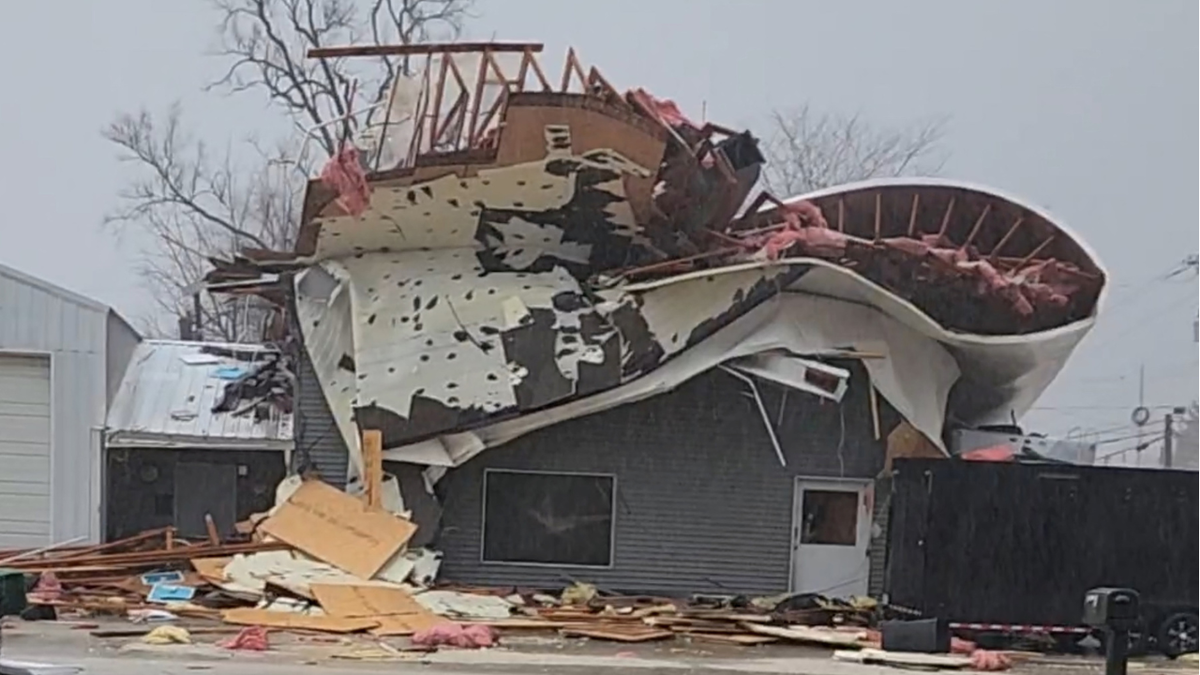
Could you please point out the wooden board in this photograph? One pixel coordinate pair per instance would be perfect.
(392, 608)
(353, 601)
(247, 616)
(405, 624)
(908, 659)
(740, 639)
(828, 637)
(338, 529)
(212, 569)
(619, 633)
(372, 452)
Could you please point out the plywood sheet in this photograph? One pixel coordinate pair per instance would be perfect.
(212, 569)
(619, 633)
(742, 639)
(392, 608)
(405, 624)
(247, 616)
(338, 529)
(350, 601)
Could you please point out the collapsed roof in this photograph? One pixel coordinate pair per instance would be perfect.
(500, 252)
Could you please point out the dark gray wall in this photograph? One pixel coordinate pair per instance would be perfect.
(319, 444)
(140, 487)
(703, 504)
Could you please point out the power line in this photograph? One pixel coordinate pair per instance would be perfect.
(1142, 319)
(1138, 448)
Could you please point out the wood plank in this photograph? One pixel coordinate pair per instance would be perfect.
(352, 600)
(418, 49)
(810, 634)
(618, 633)
(906, 659)
(741, 639)
(212, 569)
(247, 616)
(372, 447)
(338, 529)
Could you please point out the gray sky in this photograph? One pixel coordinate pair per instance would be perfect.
(1086, 108)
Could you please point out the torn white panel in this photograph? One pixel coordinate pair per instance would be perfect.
(465, 605)
(814, 377)
(915, 373)
(1002, 375)
(323, 311)
(445, 212)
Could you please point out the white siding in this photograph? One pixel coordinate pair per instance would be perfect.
(24, 451)
(37, 319)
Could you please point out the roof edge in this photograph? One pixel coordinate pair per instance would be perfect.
(53, 289)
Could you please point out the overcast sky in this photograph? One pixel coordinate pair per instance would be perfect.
(1085, 107)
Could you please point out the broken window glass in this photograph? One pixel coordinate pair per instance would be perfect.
(830, 517)
(547, 518)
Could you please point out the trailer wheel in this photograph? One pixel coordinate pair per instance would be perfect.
(1178, 634)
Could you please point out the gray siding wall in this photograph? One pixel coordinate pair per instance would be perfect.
(319, 444)
(39, 319)
(122, 341)
(879, 535)
(703, 504)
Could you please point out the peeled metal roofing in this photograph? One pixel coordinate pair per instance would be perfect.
(166, 402)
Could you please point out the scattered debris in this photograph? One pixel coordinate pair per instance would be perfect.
(166, 635)
(250, 638)
(334, 527)
(456, 635)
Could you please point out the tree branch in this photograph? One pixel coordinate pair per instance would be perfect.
(807, 151)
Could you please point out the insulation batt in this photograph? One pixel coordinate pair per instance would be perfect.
(456, 635)
(344, 173)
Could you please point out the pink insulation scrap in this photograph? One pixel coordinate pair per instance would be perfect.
(664, 110)
(803, 225)
(250, 638)
(456, 635)
(344, 173)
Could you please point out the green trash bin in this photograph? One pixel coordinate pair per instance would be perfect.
(12, 592)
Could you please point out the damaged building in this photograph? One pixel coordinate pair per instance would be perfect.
(197, 438)
(595, 349)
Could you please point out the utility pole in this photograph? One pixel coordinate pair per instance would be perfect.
(1168, 441)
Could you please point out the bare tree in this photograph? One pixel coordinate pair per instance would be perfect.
(188, 203)
(808, 151)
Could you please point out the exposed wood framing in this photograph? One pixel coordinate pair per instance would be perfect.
(413, 50)
(1034, 253)
(841, 215)
(912, 214)
(878, 215)
(372, 450)
(975, 229)
(946, 219)
(1004, 240)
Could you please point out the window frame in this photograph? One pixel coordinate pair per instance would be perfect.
(612, 527)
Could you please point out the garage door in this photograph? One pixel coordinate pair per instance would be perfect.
(24, 451)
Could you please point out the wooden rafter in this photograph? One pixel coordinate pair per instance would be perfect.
(423, 49)
(975, 228)
(946, 219)
(1004, 240)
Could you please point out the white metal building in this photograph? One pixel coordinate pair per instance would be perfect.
(61, 359)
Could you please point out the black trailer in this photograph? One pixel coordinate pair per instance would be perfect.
(1009, 547)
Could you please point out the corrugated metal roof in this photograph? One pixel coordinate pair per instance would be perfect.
(167, 396)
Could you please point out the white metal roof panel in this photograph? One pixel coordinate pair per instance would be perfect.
(167, 396)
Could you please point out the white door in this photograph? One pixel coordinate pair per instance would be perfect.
(830, 538)
(24, 451)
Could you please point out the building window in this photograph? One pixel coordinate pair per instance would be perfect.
(548, 518)
(830, 518)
